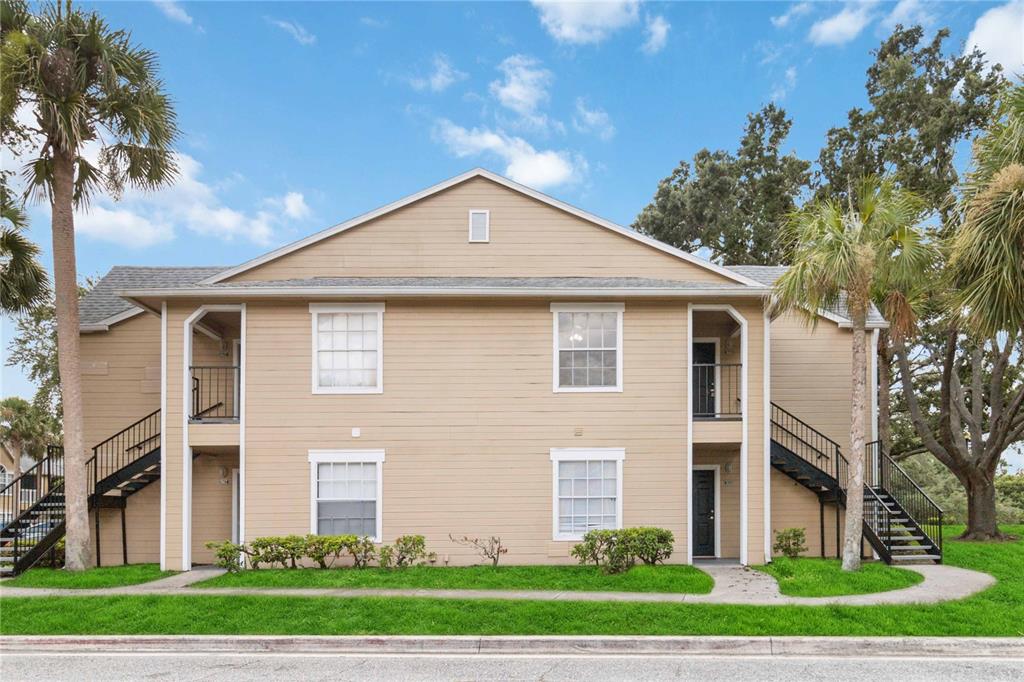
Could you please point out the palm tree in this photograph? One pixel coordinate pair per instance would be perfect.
(85, 84)
(24, 430)
(870, 249)
(985, 263)
(23, 281)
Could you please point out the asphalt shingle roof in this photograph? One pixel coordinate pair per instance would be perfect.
(767, 274)
(103, 302)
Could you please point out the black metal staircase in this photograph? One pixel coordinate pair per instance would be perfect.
(901, 523)
(33, 505)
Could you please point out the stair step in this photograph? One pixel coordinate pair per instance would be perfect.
(914, 557)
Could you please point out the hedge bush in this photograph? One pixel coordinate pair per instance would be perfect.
(790, 542)
(616, 551)
(287, 551)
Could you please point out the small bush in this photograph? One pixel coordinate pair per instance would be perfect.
(652, 545)
(267, 551)
(325, 549)
(362, 552)
(616, 551)
(229, 555)
(490, 549)
(410, 549)
(790, 542)
(386, 556)
(293, 548)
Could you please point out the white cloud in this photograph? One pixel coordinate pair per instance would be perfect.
(443, 76)
(782, 89)
(795, 10)
(295, 206)
(582, 23)
(998, 33)
(908, 13)
(525, 86)
(122, 226)
(843, 27)
(523, 163)
(174, 11)
(596, 121)
(373, 22)
(295, 30)
(657, 34)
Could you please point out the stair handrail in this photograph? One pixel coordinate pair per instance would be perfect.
(122, 448)
(914, 501)
(43, 470)
(777, 407)
(839, 464)
(872, 521)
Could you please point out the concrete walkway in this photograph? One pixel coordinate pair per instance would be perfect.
(734, 584)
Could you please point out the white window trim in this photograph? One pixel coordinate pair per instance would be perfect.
(317, 308)
(487, 227)
(556, 308)
(344, 457)
(582, 455)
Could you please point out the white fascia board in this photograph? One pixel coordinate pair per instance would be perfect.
(328, 292)
(106, 323)
(493, 177)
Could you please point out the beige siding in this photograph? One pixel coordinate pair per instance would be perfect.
(812, 375)
(120, 376)
(211, 503)
(142, 525)
(467, 419)
(528, 238)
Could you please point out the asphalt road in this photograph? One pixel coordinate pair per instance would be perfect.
(413, 667)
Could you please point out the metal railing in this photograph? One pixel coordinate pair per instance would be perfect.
(33, 484)
(123, 448)
(717, 391)
(881, 472)
(879, 518)
(810, 445)
(214, 393)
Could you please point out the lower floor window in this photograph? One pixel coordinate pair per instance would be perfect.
(346, 492)
(587, 490)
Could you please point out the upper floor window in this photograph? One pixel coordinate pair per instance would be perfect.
(347, 347)
(479, 226)
(588, 346)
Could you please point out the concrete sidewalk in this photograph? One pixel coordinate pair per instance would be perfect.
(734, 584)
(832, 647)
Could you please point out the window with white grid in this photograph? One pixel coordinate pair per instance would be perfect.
(347, 348)
(346, 490)
(587, 490)
(588, 348)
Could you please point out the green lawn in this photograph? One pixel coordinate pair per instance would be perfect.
(825, 577)
(581, 578)
(107, 576)
(998, 611)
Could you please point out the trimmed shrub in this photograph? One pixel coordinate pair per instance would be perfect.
(325, 549)
(385, 556)
(410, 549)
(616, 551)
(790, 542)
(652, 545)
(229, 555)
(293, 548)
(267, 551)
(362, 552)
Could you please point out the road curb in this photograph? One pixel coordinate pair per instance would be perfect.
(853, 647)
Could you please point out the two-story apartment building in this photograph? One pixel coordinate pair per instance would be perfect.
(474, 359)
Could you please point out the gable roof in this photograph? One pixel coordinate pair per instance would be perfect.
(103, 305)
(500, 180)
(767, 274)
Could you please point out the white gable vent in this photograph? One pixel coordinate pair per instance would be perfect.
(479, 226)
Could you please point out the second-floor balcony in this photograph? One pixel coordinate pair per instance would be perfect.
(215, 396)
(717, 391)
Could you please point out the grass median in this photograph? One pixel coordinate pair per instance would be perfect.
(105, 576)
(685, 579)
(805, 577)
(998, 611)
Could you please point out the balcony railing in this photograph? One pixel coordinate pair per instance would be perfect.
(716, 391)
(214, 393)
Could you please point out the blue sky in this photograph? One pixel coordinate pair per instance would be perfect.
(296, 116)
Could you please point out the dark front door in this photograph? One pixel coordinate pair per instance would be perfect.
(704, 379)
(703, 512)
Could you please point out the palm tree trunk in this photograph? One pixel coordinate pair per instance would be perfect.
(65, 280)
(884, 351)
(18, 448)
(855, 487)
